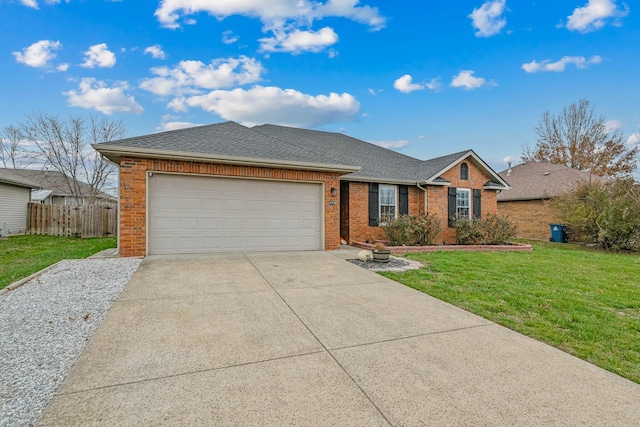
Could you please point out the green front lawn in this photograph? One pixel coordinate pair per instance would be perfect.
(21, 256)
(584, 302)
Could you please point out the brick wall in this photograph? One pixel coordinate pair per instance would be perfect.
(532, 217)
(359, 229)
(133, 191)
(438, 204)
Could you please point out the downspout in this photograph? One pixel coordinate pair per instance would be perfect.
(425, 196)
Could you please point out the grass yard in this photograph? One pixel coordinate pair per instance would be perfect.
(21, 256)
(584, 302)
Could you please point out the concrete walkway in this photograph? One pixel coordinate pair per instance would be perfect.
(306, 338)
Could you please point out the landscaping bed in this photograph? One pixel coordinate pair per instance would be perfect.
(400, 250)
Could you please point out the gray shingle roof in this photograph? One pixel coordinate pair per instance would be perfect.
(536, 181)
(54, 181)
(10, 176)
(376, 162)
(227, 139)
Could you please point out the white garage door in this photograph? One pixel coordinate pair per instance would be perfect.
(195, 214)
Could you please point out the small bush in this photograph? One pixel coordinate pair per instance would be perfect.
(469, 231)
(412, 230)
(425, 229)
(498, 229)
(493, 230)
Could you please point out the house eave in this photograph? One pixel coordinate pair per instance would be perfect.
(524, 199)
(378, 180)
(114, 154)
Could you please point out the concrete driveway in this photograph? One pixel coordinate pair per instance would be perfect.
(309, 339)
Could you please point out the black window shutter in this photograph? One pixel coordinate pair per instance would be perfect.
(374, 211)
(477, 207)
(404, 200)
(452, 205)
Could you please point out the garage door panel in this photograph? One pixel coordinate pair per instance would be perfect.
(190, 214)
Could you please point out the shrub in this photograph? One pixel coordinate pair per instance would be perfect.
(498, 229)
(493, 230)
(425, 229)
(412, 229)
(605, 214)
(398, 230)
(469, 231)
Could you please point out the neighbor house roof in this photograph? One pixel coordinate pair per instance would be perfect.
(55, 182)
(227, 142)
(8, 176)
(538, 181)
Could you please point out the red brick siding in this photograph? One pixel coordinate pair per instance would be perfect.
(437, 199)
(359, 229)
(133, 193)
(437, 204)
(532, 217)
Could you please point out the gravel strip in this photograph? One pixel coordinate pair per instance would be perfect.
(381, 266)
(45, 325)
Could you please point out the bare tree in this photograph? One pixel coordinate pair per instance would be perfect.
(13, 153)
(579, 138)
(65, 145)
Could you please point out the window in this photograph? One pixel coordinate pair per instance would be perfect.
(388, 201)
(464, 171)
(463, 203)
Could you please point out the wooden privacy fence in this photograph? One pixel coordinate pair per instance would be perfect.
(78, 221)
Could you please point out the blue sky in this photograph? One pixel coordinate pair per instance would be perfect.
(425, 78)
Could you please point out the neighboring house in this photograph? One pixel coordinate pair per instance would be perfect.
(55, 189)
(533, 186)
(226, 187)
(15, 195)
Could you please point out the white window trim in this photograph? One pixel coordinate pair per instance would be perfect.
(468, 191)
(395, 189)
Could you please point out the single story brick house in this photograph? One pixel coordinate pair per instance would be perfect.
(227, 187)
(533, 186)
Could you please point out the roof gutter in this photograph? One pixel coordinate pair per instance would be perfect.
(115, 153)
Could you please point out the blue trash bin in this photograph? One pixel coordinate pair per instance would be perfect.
(557, 233)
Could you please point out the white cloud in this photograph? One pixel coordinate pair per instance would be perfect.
(405, 84)
(434, 84)
(297, 41)
(303, 11)
(228, 37)
(94, 94)
(261, 104)
(34, 4)
(156, 51)
(594, 15)
(634, 139)
(465, 79)
(393, 145)
(487, 19)
(190, 77)
(559, 66)
(99, 55)
(62, 67)
(38, 54)
(176, 125)
(613, 125)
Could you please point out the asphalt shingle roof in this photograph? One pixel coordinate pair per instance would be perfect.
(226, 139)
(52, 180)
(293, 145)
(536, 181)
(9, 176)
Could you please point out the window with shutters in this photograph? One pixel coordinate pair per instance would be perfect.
(388, 201)
(463, 203)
